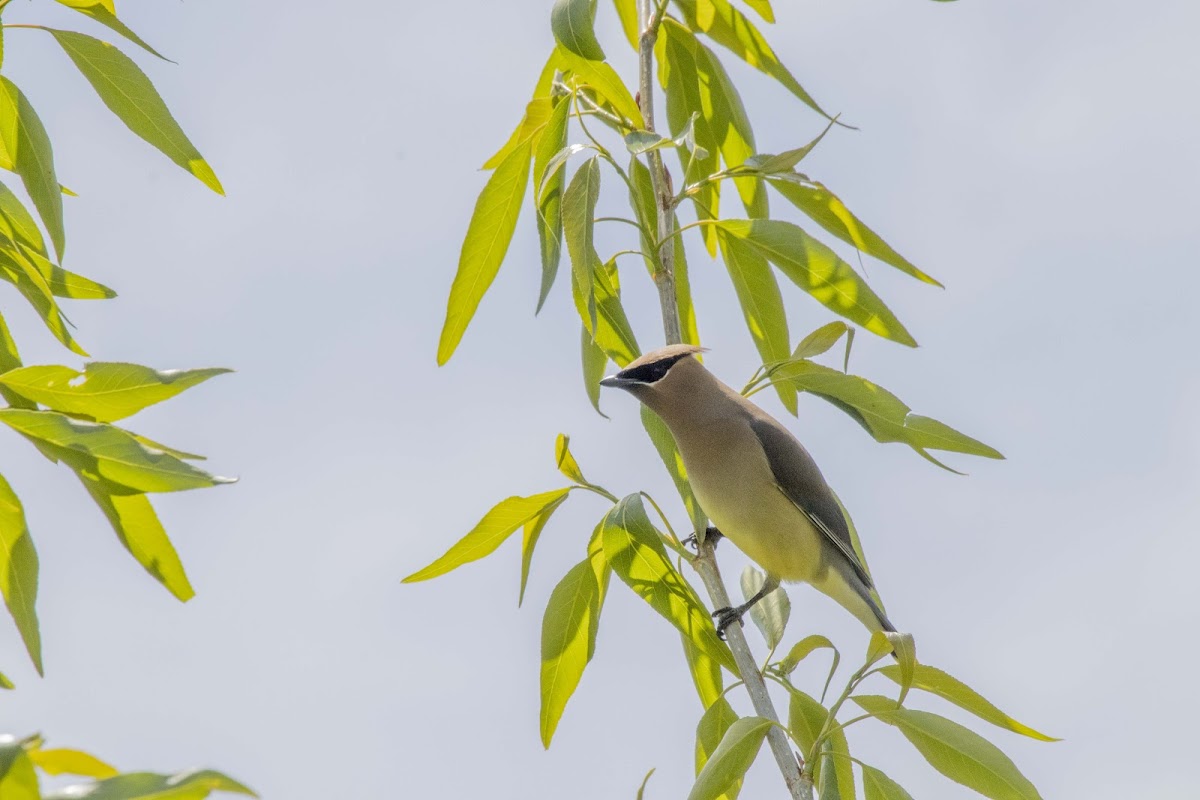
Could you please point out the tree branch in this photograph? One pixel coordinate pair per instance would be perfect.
(799, 787)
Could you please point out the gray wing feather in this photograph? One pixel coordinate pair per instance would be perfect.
(797, 476)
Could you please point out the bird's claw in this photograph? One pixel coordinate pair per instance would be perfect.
(726, 617)
(710, 535)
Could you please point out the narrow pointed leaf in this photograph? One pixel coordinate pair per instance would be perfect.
(706, 675)
(595, 360)
(668, 451)
(34, 285)
(578, 215)
(129, 94)
(820, 340)
(633, 548)
(497, 525)
(610, 329)
(878, 786)
(605, 82)
(630, 24)
(572, 24)
(958, 753)
(946, 686)
(569, 629)
(722, 106)
(10, 359)
(532, 533)
(105, 391)
(488, 235)
(805, 647)
(104, 12)
(770, 615)
(19, 571)
(24, 139)
(710, 732)
(729, 762)
(108, 453)
(645, 208)
(529, 130)
(832, 772)
(191, 785)
(763, 9)
(5, 683)
(564, 459)
(62, 761)
(786, 161)
(689, 328)
(549, 209)
(17, 224)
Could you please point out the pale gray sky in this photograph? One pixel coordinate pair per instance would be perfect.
(1037, 157)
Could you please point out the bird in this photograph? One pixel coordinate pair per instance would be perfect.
(755, 482)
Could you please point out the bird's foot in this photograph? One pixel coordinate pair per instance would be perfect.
(726, 617)
(711, 535)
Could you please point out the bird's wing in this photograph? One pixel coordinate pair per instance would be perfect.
(797, 476)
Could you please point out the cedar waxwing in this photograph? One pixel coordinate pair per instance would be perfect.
(755, 481)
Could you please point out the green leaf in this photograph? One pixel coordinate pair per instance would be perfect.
(532, 533)
(605, 82)
(191, 785)
(630, 24)
(820, 340)
(572, 23)
(105, 391)
(819, 271)
(668, 451)
(24, 138)
(771, 613)
(594, 362)
(137, 526)
(612, 332)
(108, 453)
(129, 94)
(537, 115)
(879, 786)
(62, 761)
(34, 286)
(104, 12)
(729, 762)
(785, 162)
(689, 329)
(731, 29)
(880, 412)
(761, 302)
(763, 9)
(569, 630)
(828, 211)
(636, 553)
(497, 525)
(710, 732)
(832, 770)
(18, 781)
(488, 235)
(886, 643)
(19, 571)
(549, 200)
(706, 674)
(946, 686)
(578, 215)
(958, 753)
(5, 683)
(10, 358)
(804, 648)
(565, 460)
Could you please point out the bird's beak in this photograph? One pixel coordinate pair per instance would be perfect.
(614, 382)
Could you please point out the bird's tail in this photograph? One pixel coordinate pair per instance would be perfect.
(857, 598)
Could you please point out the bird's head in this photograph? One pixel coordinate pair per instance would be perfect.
(655, 374)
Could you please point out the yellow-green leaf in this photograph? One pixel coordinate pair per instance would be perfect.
(129, 94)
(689, 328)
(605, 82)
(958, 753)
(488, 235)
(529, 539)
(491, 531)
(25, 141)
(572, 24)
(105, 12)
(18, 268)
(612, 331)
(636, 553)
(569, 630)
(106, 391)
(946, 686)
(820, 340)
(803, 649)
(706, 675)
(594, 362)
(578, 216)
(565, 460)
(533, 123)
(191, 785)
(63, 761)
(763, 8)
(107, 452)
(770, 614)
(668, 451)
(549, 200)
(19, 571)
(628, 14)
(5, 683)
(729, 762)
(710, 732)
(722, 106)
(10, 358)
(879, 786)
(18, 781)
(832, 771)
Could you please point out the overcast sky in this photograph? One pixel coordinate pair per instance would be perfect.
(1038, 158)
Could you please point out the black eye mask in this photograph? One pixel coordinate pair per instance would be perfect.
(652, 372)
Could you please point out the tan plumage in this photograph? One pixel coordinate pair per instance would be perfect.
(754, 480)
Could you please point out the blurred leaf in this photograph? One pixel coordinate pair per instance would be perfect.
(10, 359)
(130, 95)
(958, 753)
(191, 785)
(569, 630)
(731, 29)
(763, 9)
(819, 271)
(62, 761)
(19, 571)
(529, 130)
(879, 786)
(17, 268)
(572, 21)
(820, 340)
(633, 548)
(771, 613)
(628, 14)
(137, 526)
(880, 412)
(935, 681)
(607, 84)
(549, 201)
(828, 211)
(664, 443)
(729, 762)
(711, 730)
(761, 302)
(488, 235)
(594, 362)
(109, 453)
(832, 772)
(578, 215)
(18, 781)
(491, 531)
(612, 332)
(5, 683)
(104, 12)
(24, 138)
(706, 674)
(105, 391)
